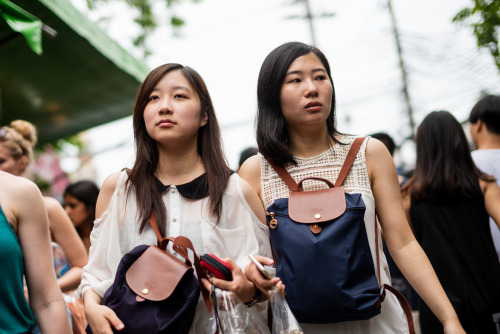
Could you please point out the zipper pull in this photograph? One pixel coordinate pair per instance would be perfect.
(273, 223)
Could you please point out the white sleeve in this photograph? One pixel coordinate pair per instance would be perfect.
(110, 239)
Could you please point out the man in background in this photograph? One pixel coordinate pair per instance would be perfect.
(485, 132)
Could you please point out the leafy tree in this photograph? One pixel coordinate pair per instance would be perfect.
(484, 18)
(146, 18)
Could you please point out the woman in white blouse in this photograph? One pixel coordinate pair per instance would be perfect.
(181, 172)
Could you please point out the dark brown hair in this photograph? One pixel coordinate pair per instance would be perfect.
(272, 134)
(444, 164)
(142, 176)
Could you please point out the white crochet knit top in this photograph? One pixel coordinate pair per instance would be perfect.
(326, 165)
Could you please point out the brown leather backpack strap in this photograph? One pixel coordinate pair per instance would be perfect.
(181, 246)
(284, 175)
(154, 225)
(404, 304)
(349, 160)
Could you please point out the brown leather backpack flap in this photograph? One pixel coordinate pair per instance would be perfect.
(155, 274)
(314, 207)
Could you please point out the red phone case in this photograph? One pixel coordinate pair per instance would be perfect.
(216, 267)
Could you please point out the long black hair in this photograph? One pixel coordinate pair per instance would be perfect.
(444, 164)
(272, 134)
(142, 175)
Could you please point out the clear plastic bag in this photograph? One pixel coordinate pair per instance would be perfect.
(284, 321)
(234, 316)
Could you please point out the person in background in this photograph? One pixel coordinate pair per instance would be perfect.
(485, 132)
(16, 153)
(448, 201)
(296, 129)
(247, 153)
(391, 147)
(80, 199)
(180, 172)
(24, 235)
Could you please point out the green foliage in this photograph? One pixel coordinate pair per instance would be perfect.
(146, 18)
(484, 19)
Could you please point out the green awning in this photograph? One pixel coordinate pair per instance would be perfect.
(24, 23)
(82, 79)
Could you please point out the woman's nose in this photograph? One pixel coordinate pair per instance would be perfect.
(311, 89)
(166, 107)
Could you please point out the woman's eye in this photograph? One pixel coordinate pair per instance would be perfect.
(321, 77)
(294, 80)
(154, 97)
(179, 96)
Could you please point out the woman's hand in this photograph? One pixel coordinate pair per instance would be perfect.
(240, 285)
(263, 284)
(100, 317)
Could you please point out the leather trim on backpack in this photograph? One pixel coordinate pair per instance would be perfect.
(148, 278)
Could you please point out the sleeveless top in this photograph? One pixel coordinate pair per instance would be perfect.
(15, 314)
(454, 233)
(327, 165)
(236, 234)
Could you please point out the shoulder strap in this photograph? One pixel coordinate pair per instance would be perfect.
(284, 175)
(349, 160)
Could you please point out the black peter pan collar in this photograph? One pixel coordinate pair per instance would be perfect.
(195, 189)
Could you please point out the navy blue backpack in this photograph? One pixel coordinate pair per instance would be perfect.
(154, 292)
(322, 252)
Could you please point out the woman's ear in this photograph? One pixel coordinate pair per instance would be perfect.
(204, 119)
(22, 164)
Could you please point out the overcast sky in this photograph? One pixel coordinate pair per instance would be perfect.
(227, 40)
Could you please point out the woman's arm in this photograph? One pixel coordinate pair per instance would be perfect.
(491, 193)
(46, 299)
(99, 317)
(65, 235)
(250, 172)
(401, 242)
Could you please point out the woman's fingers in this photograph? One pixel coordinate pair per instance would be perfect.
(264, 260)
(115, 321)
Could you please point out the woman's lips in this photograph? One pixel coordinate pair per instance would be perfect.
(313, 106)
(166, 123)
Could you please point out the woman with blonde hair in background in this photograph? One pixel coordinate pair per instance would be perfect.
(16, 153)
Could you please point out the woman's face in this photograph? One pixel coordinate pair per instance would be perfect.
(76, 210)
(173, 112)
(306, 93)
(9, 164)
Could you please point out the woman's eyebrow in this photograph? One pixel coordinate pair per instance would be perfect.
(300, 72)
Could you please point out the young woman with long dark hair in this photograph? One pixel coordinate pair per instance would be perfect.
(448, 201)
(80, 199)
(179, 172)
(296, 130)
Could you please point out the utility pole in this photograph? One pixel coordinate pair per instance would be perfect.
(404, 74)
(309, 16)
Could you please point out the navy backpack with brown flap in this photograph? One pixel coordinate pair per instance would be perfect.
(322, 252)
